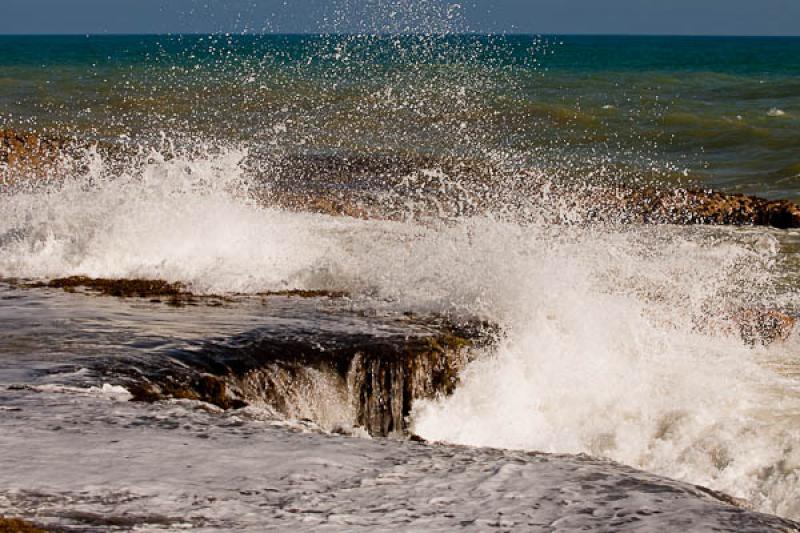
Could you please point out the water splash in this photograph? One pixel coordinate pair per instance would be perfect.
(617, 342)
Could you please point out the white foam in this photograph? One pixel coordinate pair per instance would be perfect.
(112, 392)
(177, 220)
(775, 112)
(617, 342)
(171, 467)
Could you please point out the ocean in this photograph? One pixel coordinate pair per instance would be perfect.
(397, 281)
(722, 110)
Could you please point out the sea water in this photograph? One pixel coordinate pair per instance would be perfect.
(616, 341)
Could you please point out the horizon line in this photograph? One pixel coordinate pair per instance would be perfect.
(356, 33)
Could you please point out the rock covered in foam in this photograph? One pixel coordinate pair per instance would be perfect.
(383, 186)
(377, 186)
(26, 154)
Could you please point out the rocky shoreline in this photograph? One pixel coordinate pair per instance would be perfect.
(371, 376)
(345, 185)
(372, 380)
(380, 378)
(372, 373)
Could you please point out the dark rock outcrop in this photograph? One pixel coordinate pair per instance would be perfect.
(313, 359)
(362, 379)
(141, 288)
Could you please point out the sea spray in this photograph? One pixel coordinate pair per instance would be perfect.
(618, 341)
(606, 355)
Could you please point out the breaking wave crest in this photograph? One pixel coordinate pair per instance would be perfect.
(618, 342)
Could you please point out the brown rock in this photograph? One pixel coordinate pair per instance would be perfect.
(764, 327)
(16, 525)
(26, 155)
(754, 326)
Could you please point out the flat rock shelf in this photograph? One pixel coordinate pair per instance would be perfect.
(305, 355)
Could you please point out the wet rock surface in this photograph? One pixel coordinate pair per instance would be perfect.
(176, 294)
(764, 326)
(317, 360)
(425, 186)
(754, 326)
(367, 380)
(28, 158)
(123, 288)
(18, 149)
(686, 206)
(302, 354)
(125, 466)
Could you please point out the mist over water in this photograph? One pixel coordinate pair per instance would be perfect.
(616, 341)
